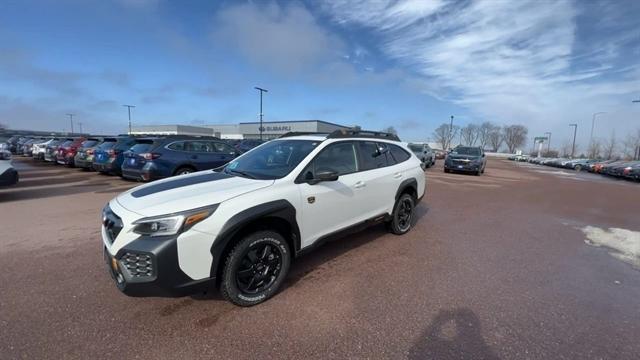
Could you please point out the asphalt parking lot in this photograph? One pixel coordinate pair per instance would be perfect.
(497, 266)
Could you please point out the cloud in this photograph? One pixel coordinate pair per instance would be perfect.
(522, 61)
(285, 39)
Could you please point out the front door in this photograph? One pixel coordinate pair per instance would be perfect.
(330, 206)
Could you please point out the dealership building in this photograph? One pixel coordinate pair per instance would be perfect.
(244, 130)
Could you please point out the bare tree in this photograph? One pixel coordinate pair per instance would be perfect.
(470, 134)
(496, 138)
(483, 133)
(610, 146)
(515, 136)
(595, 147)
(3, 126)
(565, 149)
(390, 130)
(631, 145)
(443, 135)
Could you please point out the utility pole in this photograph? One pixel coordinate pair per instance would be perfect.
(261, 90)
(575, 130)
(71, 119)
(80, 126)
(548, 142)
(593, 123)
(129, 110)
(450, 137)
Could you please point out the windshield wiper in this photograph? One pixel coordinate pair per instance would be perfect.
(243, 173)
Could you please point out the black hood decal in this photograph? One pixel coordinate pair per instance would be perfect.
(180, 182)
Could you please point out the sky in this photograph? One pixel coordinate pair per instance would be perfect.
(410, 64)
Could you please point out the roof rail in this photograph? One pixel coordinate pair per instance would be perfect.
(302, 133)
(354, 133)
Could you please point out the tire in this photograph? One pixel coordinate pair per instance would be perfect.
(401, 221)
(578, 168)
(266, 250)
(184, 170)
(446, 170)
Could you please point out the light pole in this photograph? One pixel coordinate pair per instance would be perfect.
(548, 142)
(261, 90)
(129, 111)
(575, 130)
(450, 137)
(80, 126)
(71, 119)
(593, 123)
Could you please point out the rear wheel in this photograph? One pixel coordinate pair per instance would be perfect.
(402, 216)
(578, 167)
(255, 268)
(446, 170)
(184, 170)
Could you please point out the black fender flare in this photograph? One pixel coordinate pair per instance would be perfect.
(281, 209)
(407, 183)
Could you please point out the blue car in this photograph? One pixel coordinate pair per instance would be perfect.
(108, 156)
(175, 155)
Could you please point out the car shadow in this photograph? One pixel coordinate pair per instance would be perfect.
(452, 334)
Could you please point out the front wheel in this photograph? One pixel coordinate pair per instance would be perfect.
(578, 168)
(255, 268)
(402, 216)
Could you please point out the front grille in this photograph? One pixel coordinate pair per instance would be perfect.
(112, 224)
(138, 264)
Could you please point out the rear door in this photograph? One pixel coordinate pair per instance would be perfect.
(223, 154)
(381, 185)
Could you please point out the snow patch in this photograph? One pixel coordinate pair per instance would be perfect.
(623, 244)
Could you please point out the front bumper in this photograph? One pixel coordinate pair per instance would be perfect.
(9, 177)
(469, 167)
(148, 266)
(85, 163)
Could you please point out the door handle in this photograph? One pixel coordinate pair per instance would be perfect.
(397, 175)
(360, 184)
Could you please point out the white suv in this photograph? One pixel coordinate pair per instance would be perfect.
(240, 227)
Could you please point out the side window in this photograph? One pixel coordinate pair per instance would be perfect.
(386, 150)
(198, 146)
(339, 157)
(398, 153)
(178, 146)
(219, 147)
(370, 156)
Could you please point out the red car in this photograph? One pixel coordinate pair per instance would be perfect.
(67, 151)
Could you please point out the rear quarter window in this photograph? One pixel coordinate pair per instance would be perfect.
(177, 146)
(398, 153)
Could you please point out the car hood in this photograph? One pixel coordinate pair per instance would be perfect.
(186, 192)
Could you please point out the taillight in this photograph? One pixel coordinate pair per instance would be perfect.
(112, 153)
(150, 156)
(89, 152)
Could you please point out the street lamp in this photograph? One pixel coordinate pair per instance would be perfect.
(450, 137)
(71, 119)
(261, 90)
(575, 130)
(548, 143)
(593, 123)
(129, 111)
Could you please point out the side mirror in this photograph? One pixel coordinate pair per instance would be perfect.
(324, 176)
(482, 154)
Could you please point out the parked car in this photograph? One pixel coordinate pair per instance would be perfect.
(580, 164)
(19, 145)
(85, 153)
(632, 172)
(108, 156)
(466, 159)
(248, 144)
(67, 151)
(440, 154)
(12, 142)
(175, 156)
(51, 150)
(598, 166)
(424, 153)
(8, 174)
(242, 226)
(39, 149)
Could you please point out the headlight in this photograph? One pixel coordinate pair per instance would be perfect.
(172, 224)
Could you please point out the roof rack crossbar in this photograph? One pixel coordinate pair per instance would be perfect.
(347, 133)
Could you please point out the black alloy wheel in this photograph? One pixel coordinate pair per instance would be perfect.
(259, 268)
(402, 217)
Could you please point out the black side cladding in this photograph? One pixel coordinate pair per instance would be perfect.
(180, 181)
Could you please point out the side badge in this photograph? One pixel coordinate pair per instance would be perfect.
(311, 199)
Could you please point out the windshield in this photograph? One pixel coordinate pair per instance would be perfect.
(89, 143)
(141, 147)
(272, 160)
(108, 144)
(66, 143)
(414, 147)
(466, 151)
